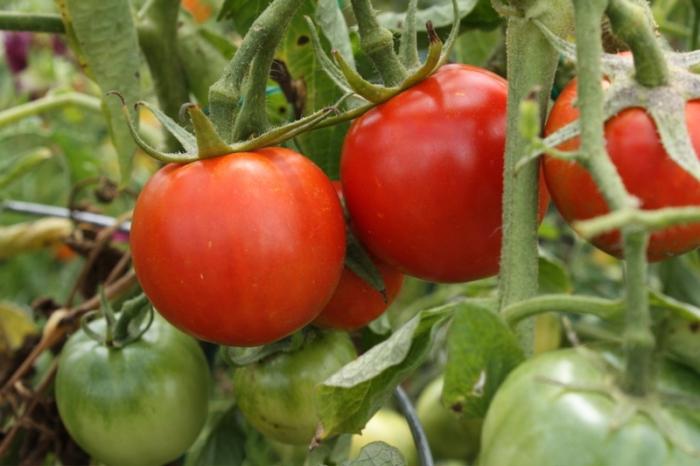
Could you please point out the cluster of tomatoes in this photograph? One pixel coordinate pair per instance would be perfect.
(248, 248)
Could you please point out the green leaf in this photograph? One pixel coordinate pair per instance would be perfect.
(476, 46)
(349, 398)
(359, 261)
(481, 351)
(242, 13)
(330, 20)
(377, 454)
(680, 278)
(323, 146)
(15, 326)
(103, 36)
(553, 277)
(331, 451)
(21, 165)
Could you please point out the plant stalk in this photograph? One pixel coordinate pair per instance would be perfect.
(31, 22)
(47, 103)
(225, 94)
(532, 62)
(157, 32)
(638, 340)
(378, 42)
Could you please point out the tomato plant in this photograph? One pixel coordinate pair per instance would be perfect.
(534, 420)
(249, 246)
(422, 176)
(634, 147)
(276, 393)
(142, 404)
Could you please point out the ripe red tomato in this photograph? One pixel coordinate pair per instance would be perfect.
(355, 303)
(422, 175)
(646, 170)
(242, 249)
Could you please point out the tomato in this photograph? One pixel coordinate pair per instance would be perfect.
(140, 405)
(200, 9)
(242, 249)
(355, 303)
(277, 394)
(644, 166)
(532, 422)
(449, 437)
(422, 175)
(389, 427)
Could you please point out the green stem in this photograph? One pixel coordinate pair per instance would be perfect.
(638, 342)
(408, 48)
(157, 30)
(225, 94)
(378, 43)
(649, 220)
(131, 310)
(638, 339)
(603, 308)
(631, 24)
(531, 64)
(252, 119)
(47, 103)
(31, 22)
(696, 27)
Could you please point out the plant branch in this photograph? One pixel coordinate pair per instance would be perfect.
(649, 220)
(47, 103)
(31, 22)
(631, 23)
(378, 43)
(591, 305)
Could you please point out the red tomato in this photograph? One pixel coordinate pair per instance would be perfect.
(646, 170)
(242, 249)
(422, 175)
(355, 303)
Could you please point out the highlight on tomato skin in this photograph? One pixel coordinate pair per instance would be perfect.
(242, 249)
(422, 176)
(356, 303)
(647, 171)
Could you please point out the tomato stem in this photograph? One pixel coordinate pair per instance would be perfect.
(650, 220)
(47, 103)
(31, 22)
(638, 340)
(632, 23)
(590, 305)
(532, 62)
(265, 33)
(408, 47)
(378, 42)
(157, 32)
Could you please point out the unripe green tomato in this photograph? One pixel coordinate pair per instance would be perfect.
(390, 427)
(276, 394)
(449, 437)
(533, 422)
(140, 405)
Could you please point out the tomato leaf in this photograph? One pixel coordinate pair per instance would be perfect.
(15, 326)
(553, 276)
(473, 13)
(481, 351)
(358, 260)
(103, 36)
(222, 440)
(349, 398)
(475, 46)
(377, 454)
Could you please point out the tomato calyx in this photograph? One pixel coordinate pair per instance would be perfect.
(124, 328)
(239, 356)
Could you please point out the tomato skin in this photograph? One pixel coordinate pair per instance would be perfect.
(646, 170)
(276, 394)
(242, 249)
(449, 436)
(140, 405)
(534, 423)
(355, 303)
(422, 176)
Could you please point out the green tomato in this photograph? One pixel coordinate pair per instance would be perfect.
(449, 437)
(532, 422)
(276, 394)
(390, 427)
(143, 404)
